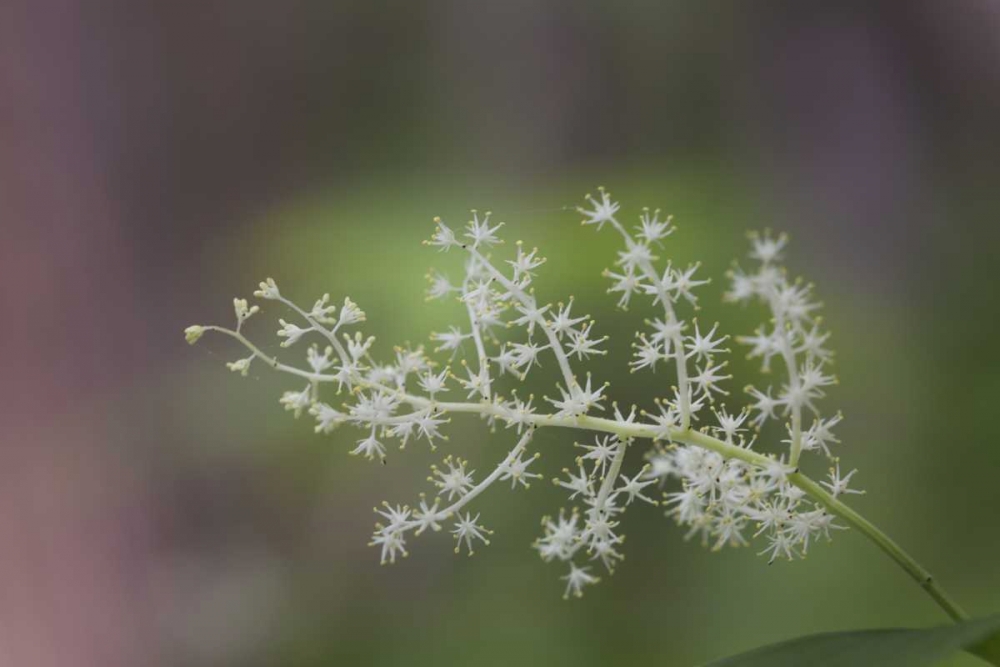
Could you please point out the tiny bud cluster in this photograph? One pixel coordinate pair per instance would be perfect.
(701, 469)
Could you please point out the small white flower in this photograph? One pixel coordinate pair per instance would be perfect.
(391, 537)
(660, 467)
(668, 420)
(350, 313)
(627, 283)
(742, 287)
(531, 315)
(838, 485)
(268, 290)
(728, 529)
(777, 470)
(427, 516)
(603, 210)
(793, 302)
(427, 426)
(579, 400)
(243, 311)
(583, 346)
(402, 431)
(708, 378)
(327, 418)
(434, 384)
(322, 312)
(450, 340)
(525, 355)
(766, 249)
(780, 545)
(813, 379)
(563, 323)
(506, 360)
(664, 332)
(520, 413)
(370, 448)
(358, 347)
(577, 578)
(392, 542)
(291, 333)
(689, 506)
(602, 452)
(652, 229)
(684, 284)
(526, 262)
(476, 382)
(792, 494)
(578, 484)
(561, 539)
(466, 530)
(319, 362)
(820, 435)
(702, 347)
(480, 232)
(397, 516)
(241, 366)
(764, 404)
(730, 425)
(440, 287)
(601, 542)
(456, 481)
(193, 333)
(517, 471)
(635, 255)
(633, 488)
(373, 408)
(411, 361)
(443, 238)
(297, 401)
(811, 344)
(763, 345)
(646, 354)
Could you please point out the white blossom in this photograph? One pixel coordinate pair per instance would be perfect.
(838, 485)
(268, 290)
(702, 468)
(370, 448)
(602, 209)
(479, 231)
(241, 366)
(466, 530)
(455, 481)
(517, 471)
(322, 311)
(577, 578)
(291, 333)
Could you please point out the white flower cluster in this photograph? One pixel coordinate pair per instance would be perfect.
(728, 493)
(727, 500)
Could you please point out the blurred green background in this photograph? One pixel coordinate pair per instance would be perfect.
(159, 159)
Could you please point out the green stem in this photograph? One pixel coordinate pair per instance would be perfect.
(884, 542)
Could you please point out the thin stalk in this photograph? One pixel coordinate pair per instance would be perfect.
(884, 542)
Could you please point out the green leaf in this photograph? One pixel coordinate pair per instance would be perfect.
(988, 649)
(884, 648)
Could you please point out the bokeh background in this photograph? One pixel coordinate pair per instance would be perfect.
(157, 159)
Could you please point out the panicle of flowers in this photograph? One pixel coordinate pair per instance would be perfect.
(694, 356)
(727, 502)
(701, 468)
(796, 338)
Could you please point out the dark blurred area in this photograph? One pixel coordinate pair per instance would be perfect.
(157, 159)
